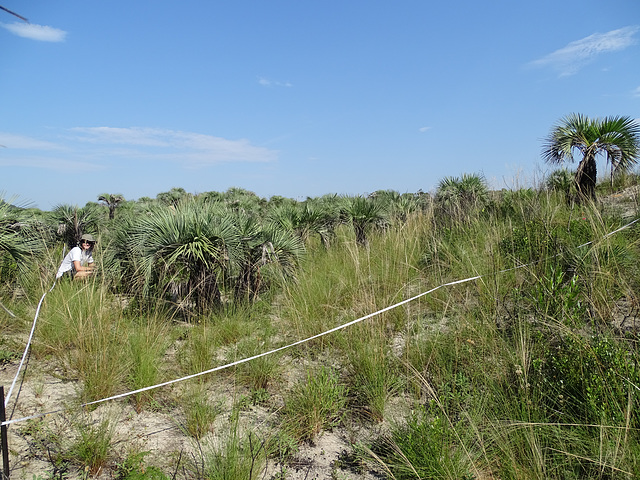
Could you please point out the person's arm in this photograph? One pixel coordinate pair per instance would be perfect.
(82, 272)
(79, 268)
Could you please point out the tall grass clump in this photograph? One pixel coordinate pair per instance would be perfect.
(199, 350)
(260, 372)
(373, 372)
(199, 411)
(93, 445)
(82, 325)
(70, 443)
(148, 341)
(315, 404)
(240, 453)
(349, 281)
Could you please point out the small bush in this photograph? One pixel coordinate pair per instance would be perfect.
(423, 448)
(588, 380)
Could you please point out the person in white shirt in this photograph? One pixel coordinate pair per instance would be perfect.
(79, 261)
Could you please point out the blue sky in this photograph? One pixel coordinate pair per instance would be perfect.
(298, 98)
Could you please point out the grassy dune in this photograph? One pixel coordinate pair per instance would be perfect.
(530, 371)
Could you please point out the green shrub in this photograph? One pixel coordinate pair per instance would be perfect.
(590, 380)
(423, 448)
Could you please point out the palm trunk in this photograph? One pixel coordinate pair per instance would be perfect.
(361, 234)
(586, 177)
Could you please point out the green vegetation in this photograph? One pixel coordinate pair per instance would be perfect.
(529, 371)
(314, 405)
(617, 138)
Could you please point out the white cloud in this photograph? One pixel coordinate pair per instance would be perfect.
(636, 92)
(129, 136)
(36, 32)
(571, 58)
(265, 82)
(87, 148)
(187, 148)
(424, 129)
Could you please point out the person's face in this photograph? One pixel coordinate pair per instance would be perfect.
(85, 244)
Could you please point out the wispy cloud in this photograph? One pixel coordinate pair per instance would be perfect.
(87, 148)
(571, 58)
(36, 32)
(187, 148)
(636, 92)
(424, 129)
(265, 82)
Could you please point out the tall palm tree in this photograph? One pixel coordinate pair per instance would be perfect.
(615, 137)
(112, 201)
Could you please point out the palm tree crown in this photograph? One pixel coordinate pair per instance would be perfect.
(618, 138)
(112, 201)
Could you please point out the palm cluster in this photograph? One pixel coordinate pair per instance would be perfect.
(208, 251)
(194, 253)
(198, 254)
(459, 198)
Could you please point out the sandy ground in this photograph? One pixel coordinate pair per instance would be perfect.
(159, 432)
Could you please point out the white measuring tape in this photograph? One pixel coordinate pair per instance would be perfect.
(26, 350)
